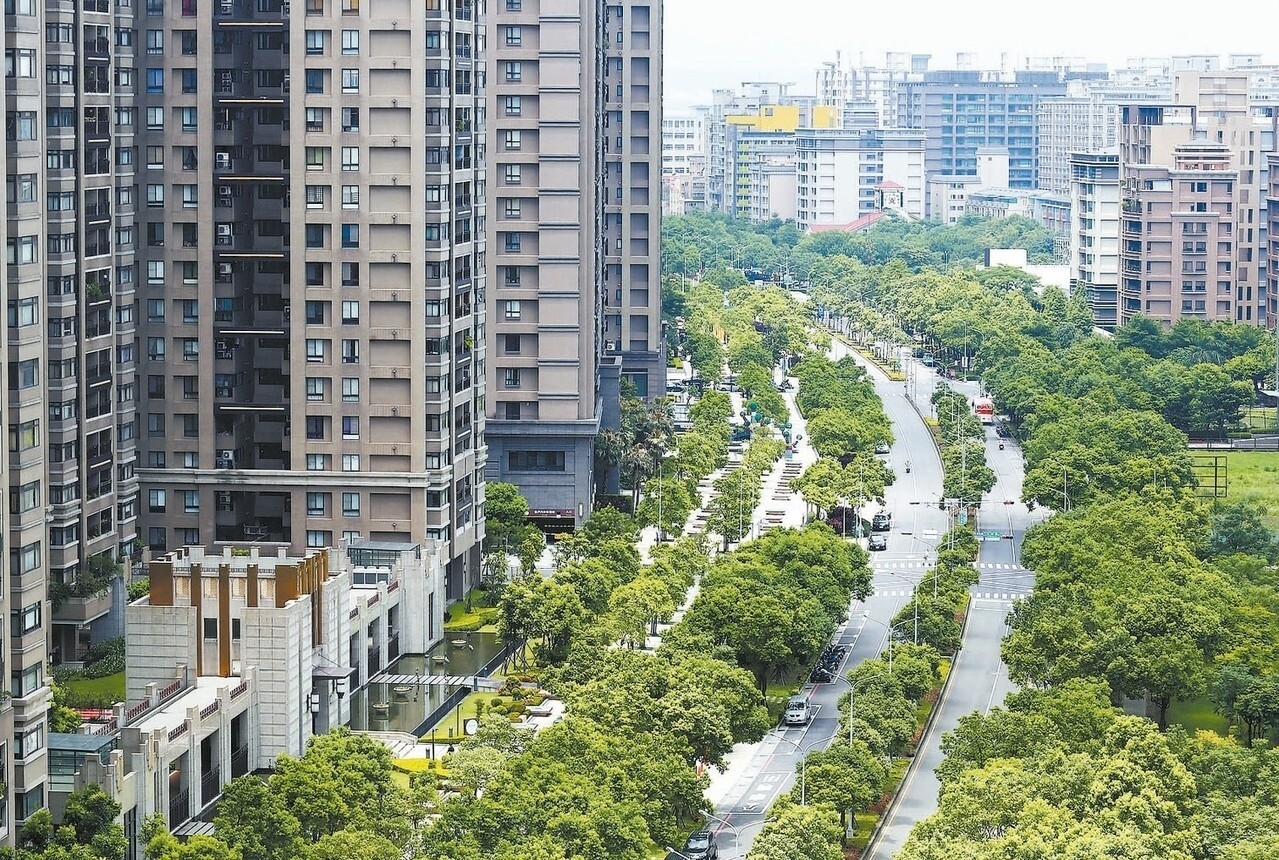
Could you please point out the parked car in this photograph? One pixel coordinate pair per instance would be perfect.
(881, 448)
(797, 711)
(877, 543)
(928, 359)
(700, 846)
(881, 522)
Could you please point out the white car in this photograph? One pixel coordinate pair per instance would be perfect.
(798, 712)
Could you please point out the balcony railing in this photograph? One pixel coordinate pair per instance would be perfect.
(179, 808)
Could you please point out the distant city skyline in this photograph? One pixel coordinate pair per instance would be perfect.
(721, 43)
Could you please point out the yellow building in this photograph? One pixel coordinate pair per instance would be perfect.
(771, 127)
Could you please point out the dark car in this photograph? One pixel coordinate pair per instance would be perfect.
(877, 543)
(700, 846)
(881, 522)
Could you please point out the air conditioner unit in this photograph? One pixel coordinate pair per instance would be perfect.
(222, 160)
(224, 270)
(224, 190)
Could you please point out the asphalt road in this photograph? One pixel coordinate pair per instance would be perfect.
(764, 771)
(978, 678)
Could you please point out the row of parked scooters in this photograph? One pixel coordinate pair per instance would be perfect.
(828, 664)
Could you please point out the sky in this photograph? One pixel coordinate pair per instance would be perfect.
(721, 43)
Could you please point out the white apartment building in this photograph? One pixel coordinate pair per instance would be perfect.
(773, 185)
(1094, 232)
(837, 171)
(1086, 123)
(683, 144)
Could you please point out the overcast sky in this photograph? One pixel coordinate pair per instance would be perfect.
(720, 43)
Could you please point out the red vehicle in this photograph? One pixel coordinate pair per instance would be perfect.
(985, 411)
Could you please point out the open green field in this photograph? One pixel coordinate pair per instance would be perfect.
(1253, 476)
(1197, 714)
(109, 687)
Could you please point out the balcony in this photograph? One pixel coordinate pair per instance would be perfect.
(82, 610)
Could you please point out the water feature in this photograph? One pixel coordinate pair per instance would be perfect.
(408, 707)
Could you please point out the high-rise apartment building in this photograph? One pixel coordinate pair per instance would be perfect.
(575, 208)
(69, 241)
(1272, 240)
(683, 144)
(840, 169)
(311, 273)
(1193, 231)
(964, 110)
(1094, 233)
(1086, 123)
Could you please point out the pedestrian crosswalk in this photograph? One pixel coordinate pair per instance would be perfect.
(918, 564)
(983, 595)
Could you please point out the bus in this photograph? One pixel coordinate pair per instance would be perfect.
(985, 411)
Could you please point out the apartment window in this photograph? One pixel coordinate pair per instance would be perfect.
(512, 411)
(514, 71)
(511, 309)
(155, 271)
(535, 461)
(316, 538)
(350, 119)
(190, 118)
(315, 196)
(24, 312)
(314, 235)
(514, 36)
(190, 196)
(27, 681)
(317, 504)
(350, 7)
(24, 436)
(512, 207)
(21, 188)
(314, 118)
(350, 427)
(513, 105)
(315, 41)
(350, 158)
(191, 501)
(350, 274)
(350, 462)
(25, 374)
(350, 235)
(315, 388)
(350, 389)
(511, 343)
(350, 80)
(155, 349)
(155, 387)
(514, 5)
(350, 313)
(315, 81)
(511, 243)
(157, 501)
(511, 377)
(155, 80)
(189, 83)
(317, 462)
(315, 427)
(315, 157)
(315, 349)
(26, 559)
(24, 498)
(512, 139)
(350, 351)
(350, 41)
(351, 194)
(350, 504)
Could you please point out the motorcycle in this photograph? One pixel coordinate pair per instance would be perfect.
(1001, 446)
(908, 468)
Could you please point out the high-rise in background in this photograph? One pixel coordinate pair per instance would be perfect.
(1153, 179)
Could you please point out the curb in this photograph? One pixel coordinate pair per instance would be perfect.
(928, 727)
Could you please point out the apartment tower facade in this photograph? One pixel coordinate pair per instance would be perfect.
(1094, 233)
(313, 273)
(574, 198)
(1193, 232)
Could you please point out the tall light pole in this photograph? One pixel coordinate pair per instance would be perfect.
(891, 628)
(803, 763)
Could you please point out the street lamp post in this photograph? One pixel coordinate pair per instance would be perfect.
(803, 763)
(891, 628)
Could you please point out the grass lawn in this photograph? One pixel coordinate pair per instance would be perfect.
(448, 729)
(108, 687)
(1197, 714)
(1259, 418)
(481, 616)
(1253, 476)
